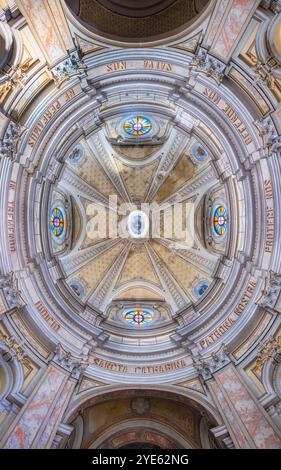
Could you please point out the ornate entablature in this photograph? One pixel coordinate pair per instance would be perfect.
(139, 198)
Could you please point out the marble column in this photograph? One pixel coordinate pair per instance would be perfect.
(248, 424)
(37, 423)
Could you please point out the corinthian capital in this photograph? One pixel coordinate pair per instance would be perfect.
(75, 365)
(206, 367)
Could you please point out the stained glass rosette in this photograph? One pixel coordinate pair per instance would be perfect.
(57, 222)
(220, 220)
(137, 126)
(138, 317)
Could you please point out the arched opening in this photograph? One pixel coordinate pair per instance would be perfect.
(165, 418)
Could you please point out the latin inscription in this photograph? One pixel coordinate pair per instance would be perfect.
(230, 114)
(47, 116)
(227, 324)
(270, 217)
(47, 317)
(146, 65)
(154, 369)
(11, 226)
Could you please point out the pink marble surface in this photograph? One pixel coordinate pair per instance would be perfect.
(35, 410)
(233, 424)
(62, 26)
(233, 24)
(53, 421)
(41, 21)
(216, 20)
(250, 412)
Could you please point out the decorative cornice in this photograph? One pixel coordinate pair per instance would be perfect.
(204, 62)
(272, 291)
(8, 145)
(11, 349)
(206, 367)
(75, 365)
(273, 5)
(72, 65)
(271, 139)
(9, 285)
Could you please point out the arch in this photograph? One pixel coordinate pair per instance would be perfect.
(103, 393)
(120, 429)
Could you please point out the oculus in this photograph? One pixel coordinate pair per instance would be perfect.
(199, 153)
(220, 220)
(57, 222)
(201, 287)
(76, 155)
(77, 287)
(137, 126)
(138, 224)
(138, 317)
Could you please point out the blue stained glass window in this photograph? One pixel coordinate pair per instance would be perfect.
(138, 317)
(77, 287)
(199, 152)
(57, 222)
(76, 155)
(137, 125)
(220, 220)
(201, 287)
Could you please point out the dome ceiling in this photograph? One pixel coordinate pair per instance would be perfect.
(104, 132)
(130, 21)
(134, 9)
(165, 176)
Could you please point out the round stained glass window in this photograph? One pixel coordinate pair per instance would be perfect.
(138, 317)
(201, 287)
(57, 222)
(137, 125)
(220, 220)
(76, 155)
(77, 287)
(199, 152)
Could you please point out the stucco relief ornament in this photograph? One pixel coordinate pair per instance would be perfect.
(208, 64)
(272, 291)
(265, 74)
(270, 135)
(273, 5)
(75, 365)
(9, 349)
(8, 145)
(72, 65)
(206, 367)
(10, 288)
(269, 351)
(140, 405)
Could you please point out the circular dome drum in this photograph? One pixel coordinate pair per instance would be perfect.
(149, 21)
